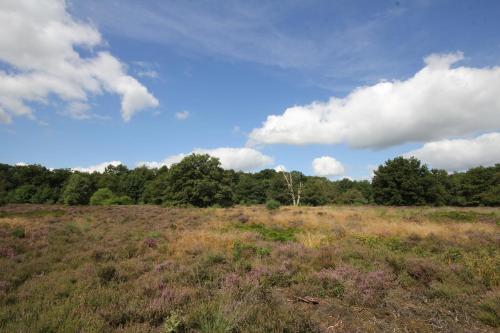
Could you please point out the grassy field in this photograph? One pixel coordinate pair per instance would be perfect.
(247, 269)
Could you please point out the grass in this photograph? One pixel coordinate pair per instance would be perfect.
(463, 216)
(245, 269)
(275, 234)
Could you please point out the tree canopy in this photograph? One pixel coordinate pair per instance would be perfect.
(199, 180)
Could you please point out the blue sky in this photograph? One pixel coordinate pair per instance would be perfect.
(230, 65)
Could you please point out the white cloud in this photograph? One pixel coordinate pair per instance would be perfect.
(21, 164)
(327, 166)
(460, 154)
(246, 159)
(148, 73)
(280, 168)
(97, 168)
(437, 102)
(182, 115)
(38, 42)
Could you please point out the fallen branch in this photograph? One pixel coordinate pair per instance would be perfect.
(307, 299)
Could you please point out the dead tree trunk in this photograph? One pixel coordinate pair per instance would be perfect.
(289, 182)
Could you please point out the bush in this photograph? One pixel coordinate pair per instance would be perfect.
(272, 204)
(19, 232)
(107, 273)
(123, 200)
(353, 197)
(105, 197)
(102, 196)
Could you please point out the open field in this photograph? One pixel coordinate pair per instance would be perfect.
(247, 269)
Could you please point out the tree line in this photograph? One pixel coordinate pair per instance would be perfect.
(200, 181)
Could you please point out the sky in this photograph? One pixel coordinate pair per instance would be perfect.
(329, 88)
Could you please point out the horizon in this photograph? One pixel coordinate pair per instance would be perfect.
(327, 89)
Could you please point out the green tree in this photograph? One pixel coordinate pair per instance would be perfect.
(198, 180)
(353, 197)
(400, 181)
(132, 184)
(23, 194)
(318, 191)
(437, 186)
(77, 190)
(154, 190)
(250, 190)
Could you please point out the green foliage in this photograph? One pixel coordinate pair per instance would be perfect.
(102, 196)
(34, 213)
(19, 232)
(272, 204)
(246, 251)
(105, 197)
(77, 191)
(276, 234)
(489, 312)
(462, 216)
(400, 182)
(172, 324)
(353, 197)
(198, 180)
(23, 194)
(318, 191)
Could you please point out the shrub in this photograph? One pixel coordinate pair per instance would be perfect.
(106, 274)
(272, 204)
(19, 232)
(422, 270)
(123, 200)
(102, 196)
(353, 197)
(172, 324)
(105, 197)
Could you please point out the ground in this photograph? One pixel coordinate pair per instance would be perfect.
(248, 269)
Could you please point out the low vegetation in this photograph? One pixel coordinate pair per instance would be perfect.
(146, 268)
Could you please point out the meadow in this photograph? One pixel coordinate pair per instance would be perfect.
(249, 269)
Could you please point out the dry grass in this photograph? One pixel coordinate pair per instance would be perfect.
(153, 269)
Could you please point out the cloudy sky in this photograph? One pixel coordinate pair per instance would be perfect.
(331, 88)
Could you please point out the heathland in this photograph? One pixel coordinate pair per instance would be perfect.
(146, 268)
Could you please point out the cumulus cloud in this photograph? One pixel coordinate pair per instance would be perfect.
(327, 166)
(246, 159)
(38, 43)
(460, 154)
(439, 101)
(97, 168)
(280, 168)
(182, 115)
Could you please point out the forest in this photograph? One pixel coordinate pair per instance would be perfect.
(200, 181)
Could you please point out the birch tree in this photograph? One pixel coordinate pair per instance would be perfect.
(295, 191)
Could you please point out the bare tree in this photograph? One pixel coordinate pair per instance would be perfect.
(295, 194)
